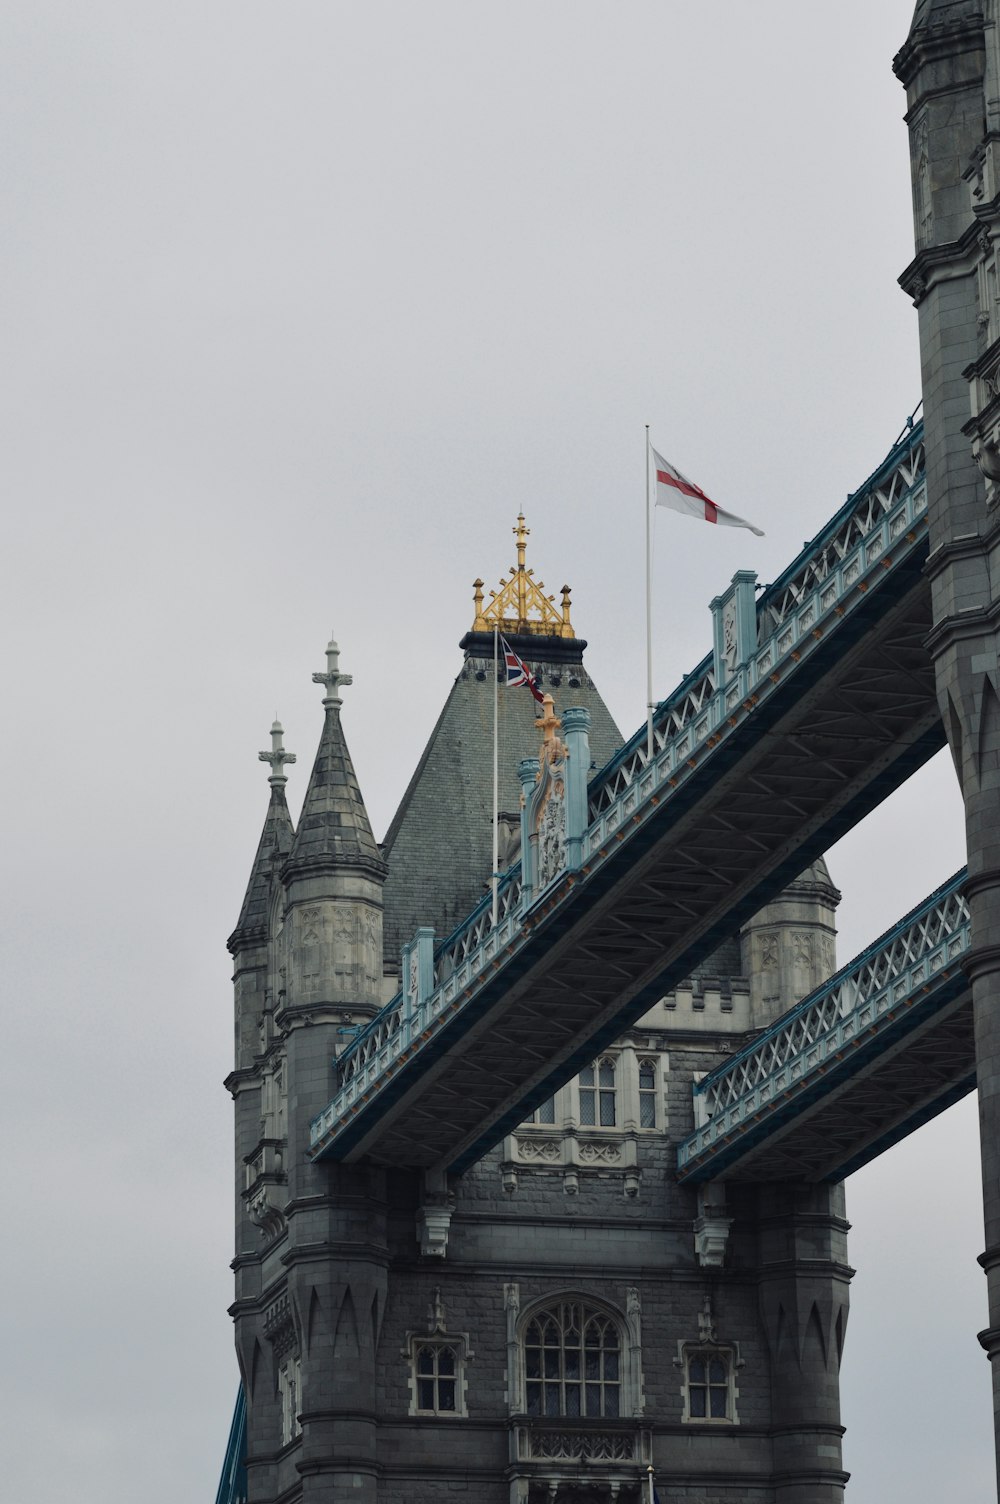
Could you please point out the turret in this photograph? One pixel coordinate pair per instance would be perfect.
(789, 947)
(333, 883)
(331, 984)
(248, 942)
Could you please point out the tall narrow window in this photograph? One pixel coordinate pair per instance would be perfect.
(572, 1362)
(436, 1378)
(437, 1373)
(597, 1094)
(709, 1385)
(289, 1387)
(546, 1113)
(647, 1093)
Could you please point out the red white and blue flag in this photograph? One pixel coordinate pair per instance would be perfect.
(518, 672)
(675, 491)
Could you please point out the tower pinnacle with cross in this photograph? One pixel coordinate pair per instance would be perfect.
(277, 757)
(333, 678)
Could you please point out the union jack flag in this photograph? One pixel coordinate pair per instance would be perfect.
(518, 672)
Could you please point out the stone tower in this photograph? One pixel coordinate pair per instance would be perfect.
(564, 1316)
(950, 67)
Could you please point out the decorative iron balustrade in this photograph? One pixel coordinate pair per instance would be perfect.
(811, 587)
(877, 529)
(898, 969)
(463, 943)
(858, 519)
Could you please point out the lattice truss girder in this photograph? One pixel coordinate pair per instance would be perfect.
(930, 938)
(852, 1123)
(660, 912)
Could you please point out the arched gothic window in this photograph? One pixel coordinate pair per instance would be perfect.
(572, 1361)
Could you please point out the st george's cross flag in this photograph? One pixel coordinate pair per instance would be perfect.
(675, 491)
(518, 672)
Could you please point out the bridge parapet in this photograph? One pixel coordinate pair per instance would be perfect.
(856, 1008)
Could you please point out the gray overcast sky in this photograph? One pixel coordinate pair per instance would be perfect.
(301, 304)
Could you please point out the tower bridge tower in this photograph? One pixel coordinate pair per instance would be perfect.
(950, 67)
(565, 1315)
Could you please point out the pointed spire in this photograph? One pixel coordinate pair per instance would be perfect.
(334, 830)
(274, 844)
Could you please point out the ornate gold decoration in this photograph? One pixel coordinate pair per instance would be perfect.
(521, 606)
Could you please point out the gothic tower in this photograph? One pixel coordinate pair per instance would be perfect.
(950, 67)
(564, 1316)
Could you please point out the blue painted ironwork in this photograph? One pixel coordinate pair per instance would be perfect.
(233, 1483)
(790, 616)
(858, 1012)
(881, 527)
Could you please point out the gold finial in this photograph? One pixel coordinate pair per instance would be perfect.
(522, 534)
(520, 606)
(480, 624)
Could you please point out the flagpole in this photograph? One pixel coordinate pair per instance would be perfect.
(649, 616)
(496, 765)
(650, 1475)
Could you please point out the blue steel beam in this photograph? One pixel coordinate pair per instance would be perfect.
(831, 1083)
(748, 781)
(233, 1483)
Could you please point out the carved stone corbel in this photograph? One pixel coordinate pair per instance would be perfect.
(434, 1215)
(711, 1227)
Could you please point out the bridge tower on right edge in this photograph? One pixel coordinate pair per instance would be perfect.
(950, 67)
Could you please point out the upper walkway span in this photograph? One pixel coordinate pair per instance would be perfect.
(881, 1047)
(817, 701)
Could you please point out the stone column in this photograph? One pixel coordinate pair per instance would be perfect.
(803, 1290)
(950, 66)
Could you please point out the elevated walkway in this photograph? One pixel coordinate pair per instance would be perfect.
(758, 766)
(880, 1048)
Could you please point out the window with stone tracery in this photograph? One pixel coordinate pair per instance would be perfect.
(648, 1092)
(621, 1091)
(572, 1355)
(709, 1384)
(598, 1094)
(437, 1375)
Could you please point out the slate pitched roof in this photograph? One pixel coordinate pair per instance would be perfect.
(334, 829)
(274, 844)
(439, 846)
